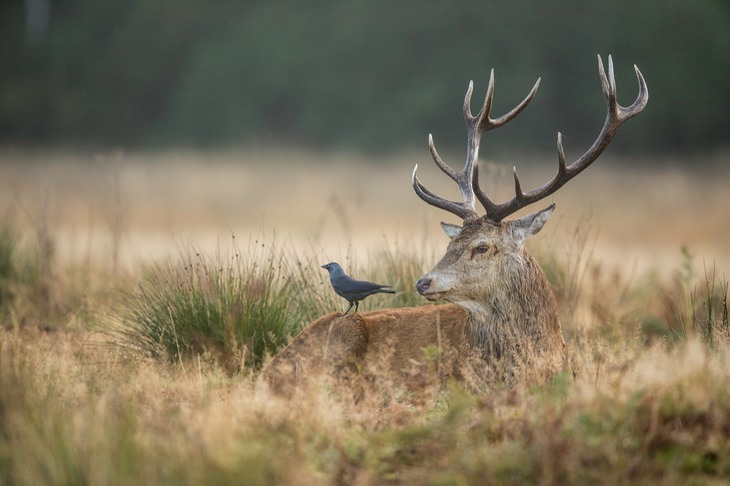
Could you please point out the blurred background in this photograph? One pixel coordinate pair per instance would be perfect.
(147, 121)
(366, 76)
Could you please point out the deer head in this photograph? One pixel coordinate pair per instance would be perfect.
(485, 259)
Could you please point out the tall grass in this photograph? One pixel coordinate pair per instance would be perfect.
(8, 248)
(235, 307)
(36, 292)
(401, 268)
(49, 429)
(26, 276)
(697, 307)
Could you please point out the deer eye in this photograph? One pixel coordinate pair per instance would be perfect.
(481, 249)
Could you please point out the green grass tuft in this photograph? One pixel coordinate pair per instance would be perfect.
(235, 307)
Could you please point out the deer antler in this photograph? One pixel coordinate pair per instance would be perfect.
(615, 117)
(476, 126)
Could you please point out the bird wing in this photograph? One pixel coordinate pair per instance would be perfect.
(362, 286)
(349, 284)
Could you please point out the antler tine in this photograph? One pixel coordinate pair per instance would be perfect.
(464, 210)
(440, 163)
(467, 177)
(486, 123)
(467, 101)
(460, 209)
(641, 100)
(615, 117)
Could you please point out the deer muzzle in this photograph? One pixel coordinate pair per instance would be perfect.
(428, 288)
(439, 284)
(423, 285)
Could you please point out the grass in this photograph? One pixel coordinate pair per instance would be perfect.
(238, 307)
(650, 403)
(640, 410)
(695, 306)
(148, 422)
(8, 245)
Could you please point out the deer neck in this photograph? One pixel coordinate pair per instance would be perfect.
(523, 310)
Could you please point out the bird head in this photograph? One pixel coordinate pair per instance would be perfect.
(331, 266)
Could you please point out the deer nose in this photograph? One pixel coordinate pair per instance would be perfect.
(423, 284)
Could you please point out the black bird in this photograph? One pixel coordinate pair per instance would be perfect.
(350, 289)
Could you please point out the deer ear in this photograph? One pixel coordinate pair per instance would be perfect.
(451, 230)
(531, 224)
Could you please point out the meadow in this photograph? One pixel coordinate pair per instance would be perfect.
(140, 295)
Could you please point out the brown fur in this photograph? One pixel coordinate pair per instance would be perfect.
(387, 342)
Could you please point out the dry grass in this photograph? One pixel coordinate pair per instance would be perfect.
(643, 320)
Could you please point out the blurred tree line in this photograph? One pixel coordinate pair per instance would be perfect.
(368, 76)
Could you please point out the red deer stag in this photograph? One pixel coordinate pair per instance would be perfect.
(502, 324)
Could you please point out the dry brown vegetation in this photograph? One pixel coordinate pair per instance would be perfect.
(645, 321)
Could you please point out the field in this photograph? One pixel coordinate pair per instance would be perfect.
(101, 254)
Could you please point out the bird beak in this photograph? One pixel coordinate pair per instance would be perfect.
(323, 266)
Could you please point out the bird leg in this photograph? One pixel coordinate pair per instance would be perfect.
(351, 304)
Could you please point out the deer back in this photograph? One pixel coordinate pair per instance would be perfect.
(388, 344)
